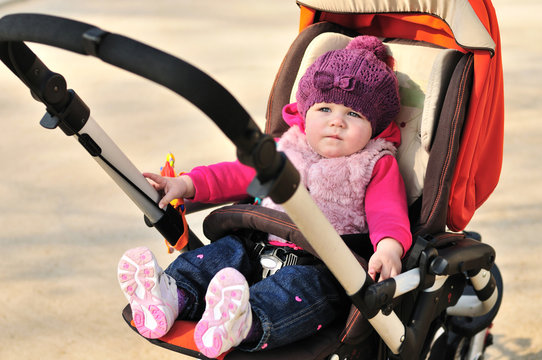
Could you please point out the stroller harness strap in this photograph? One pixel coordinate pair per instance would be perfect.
(272, 258)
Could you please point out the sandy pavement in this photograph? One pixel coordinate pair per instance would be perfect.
(64, 224)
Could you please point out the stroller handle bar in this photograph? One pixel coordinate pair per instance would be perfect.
(130, 55)
(254, 149)
(276, 177)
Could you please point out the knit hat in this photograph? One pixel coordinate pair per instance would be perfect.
(357, 77)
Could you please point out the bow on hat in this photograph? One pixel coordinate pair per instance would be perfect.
(324, 80)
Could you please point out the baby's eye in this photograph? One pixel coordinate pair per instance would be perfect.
(354, 114)
(324, 109)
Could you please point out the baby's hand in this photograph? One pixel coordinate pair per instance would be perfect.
(386, 260)
(172, 187)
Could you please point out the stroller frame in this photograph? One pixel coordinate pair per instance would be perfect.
(439, 266)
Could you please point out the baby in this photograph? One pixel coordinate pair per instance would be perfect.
(342, 140)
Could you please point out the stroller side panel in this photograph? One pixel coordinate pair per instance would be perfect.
(443, 154)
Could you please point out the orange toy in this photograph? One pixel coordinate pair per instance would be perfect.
(169, 170)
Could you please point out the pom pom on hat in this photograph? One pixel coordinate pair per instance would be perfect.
(371, 44)
(357, 77)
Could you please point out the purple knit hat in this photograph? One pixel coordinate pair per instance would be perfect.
(357, 77)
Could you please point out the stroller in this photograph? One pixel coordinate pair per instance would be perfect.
(447, 58)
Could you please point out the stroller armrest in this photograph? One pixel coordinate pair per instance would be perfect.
(464, 255)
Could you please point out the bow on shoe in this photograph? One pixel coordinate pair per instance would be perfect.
(326, 81)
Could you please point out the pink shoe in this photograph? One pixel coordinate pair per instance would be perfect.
(227, 317)
(152, 293)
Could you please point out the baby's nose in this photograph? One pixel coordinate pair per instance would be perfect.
(337, 121)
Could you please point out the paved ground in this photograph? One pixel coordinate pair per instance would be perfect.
(65, 224)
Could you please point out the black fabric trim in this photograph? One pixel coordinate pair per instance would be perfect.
(255, 222)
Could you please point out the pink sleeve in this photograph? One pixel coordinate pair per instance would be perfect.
(221, 182)
(386, 205)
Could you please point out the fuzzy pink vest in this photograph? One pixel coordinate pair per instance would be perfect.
(337, 185)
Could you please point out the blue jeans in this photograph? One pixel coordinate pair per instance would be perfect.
(292, 304)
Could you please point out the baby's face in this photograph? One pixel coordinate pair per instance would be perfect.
(335, 130)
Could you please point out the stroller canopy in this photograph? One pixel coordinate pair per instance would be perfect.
(464, 25)
(468, 30)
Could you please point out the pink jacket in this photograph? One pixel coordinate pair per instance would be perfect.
(385, 196)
